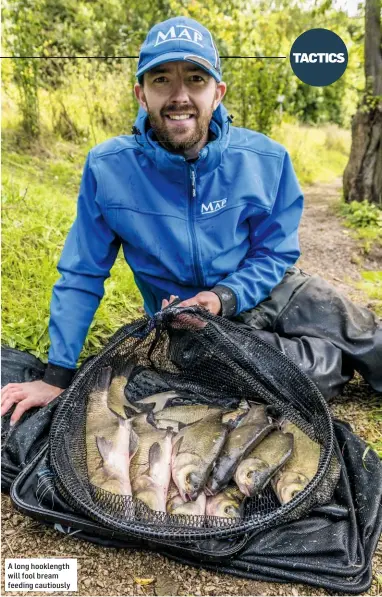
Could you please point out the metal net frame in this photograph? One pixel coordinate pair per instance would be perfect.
(217, 363)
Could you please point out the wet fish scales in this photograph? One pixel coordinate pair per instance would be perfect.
(226, 504)
(257, 468)
(151, 480)
(251, 429)
(186, 414)
(116, 455)
(195, 449)
(300, 469)
(100, 420)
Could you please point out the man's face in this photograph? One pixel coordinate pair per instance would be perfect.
(180, 98)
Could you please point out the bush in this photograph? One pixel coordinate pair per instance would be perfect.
(362, 214)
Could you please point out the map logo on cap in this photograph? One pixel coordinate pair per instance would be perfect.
(179, 38)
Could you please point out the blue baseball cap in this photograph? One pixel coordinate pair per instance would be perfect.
(179, 38)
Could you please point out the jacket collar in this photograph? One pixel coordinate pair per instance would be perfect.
(210, 156)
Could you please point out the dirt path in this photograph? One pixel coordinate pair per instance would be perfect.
(326, 245)
(328, 250)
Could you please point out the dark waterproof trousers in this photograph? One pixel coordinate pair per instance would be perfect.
(323, 332)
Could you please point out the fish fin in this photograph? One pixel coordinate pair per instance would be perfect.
(151, 419)
(145, 407)
(134, 443)
(244, 404)
(130, 411)
(126, 368)
(121, 419)
(155, 453)
(120, 413)
(104, 378)
(231, 424)
(104, 447)
(176, 445)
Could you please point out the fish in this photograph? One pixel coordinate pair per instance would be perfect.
(173, 497)
(116, 397)
(117, 453)
(300, 469)
(101, 421)
(177, 507)
(186, 414)
(150, 469)
(164, 423)
(249, 432)
(143, 423)
(233, 417)
(258, 467)
(226, 504)
(154, 403)
(195, 449)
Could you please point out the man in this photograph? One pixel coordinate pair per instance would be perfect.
(203, 210)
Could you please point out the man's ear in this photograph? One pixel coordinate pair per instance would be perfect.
(220, 92)
(140, 95)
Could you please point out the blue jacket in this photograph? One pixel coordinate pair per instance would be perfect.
(228, 219)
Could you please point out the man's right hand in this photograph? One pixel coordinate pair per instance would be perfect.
(27, 395)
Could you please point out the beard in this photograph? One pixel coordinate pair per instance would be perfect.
(179, 142)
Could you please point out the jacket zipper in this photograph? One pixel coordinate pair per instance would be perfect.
(191, 213)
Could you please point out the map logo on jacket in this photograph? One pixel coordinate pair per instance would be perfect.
(214, 206)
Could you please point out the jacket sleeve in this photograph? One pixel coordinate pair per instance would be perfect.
(273, 248)
(88, 255)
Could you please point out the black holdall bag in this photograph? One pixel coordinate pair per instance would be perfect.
(322, 537)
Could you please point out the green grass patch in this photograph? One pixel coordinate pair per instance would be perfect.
(38, 208)
(365, 221)
(372, 286)
(318, 154)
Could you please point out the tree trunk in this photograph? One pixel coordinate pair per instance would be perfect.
(363, 175)
(362, 178)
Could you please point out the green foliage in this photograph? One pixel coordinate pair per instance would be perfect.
(366, 221)
(362, 214)
(79, 28)
(372, 286)
(39, 201)
(24, 39)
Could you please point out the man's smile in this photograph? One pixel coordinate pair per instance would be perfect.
(180, 118)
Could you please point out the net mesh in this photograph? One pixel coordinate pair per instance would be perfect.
(217, 363)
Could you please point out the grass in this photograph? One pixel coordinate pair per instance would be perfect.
(365, 221)
(39, 204)
(318, 154)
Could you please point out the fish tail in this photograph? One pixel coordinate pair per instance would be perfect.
(125, 368)
(104, 379)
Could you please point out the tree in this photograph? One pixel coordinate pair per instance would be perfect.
(362, 178)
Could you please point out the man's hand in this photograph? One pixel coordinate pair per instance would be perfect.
(208, 300)
(28, 395)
